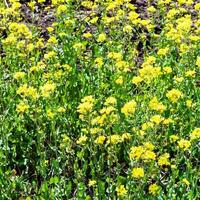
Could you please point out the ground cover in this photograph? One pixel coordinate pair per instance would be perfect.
(99, 99)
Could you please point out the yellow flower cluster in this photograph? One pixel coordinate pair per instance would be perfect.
(144, 152)
(22, 107)
(121, 191)
(164, 160)
(195, 134)
(154, 104)
(129, 108)
(47, 89)
(86, 105)
(28, 91)
(138, 172)
(174, 95)
(153, 189)
(184, 144)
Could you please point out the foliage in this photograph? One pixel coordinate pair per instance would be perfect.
(105, 106)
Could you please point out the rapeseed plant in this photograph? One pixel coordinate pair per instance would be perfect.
(99, 100)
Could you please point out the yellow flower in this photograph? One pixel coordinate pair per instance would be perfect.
(27, 91)
(47, 89)
(132, 16)
(189, 2)
(87, 35)
(184, 144)
(111, 6)
(178, 79)
(185, 181)
(61, 9)
(173, 166)
(52, 40)
(120, 80)
(92, 183)
(141, 132)
(126, 136)
(86, 106)
(100, 139)
(114, 139)
(151, 9)
(30, 47)
(163, 52)
(87, 4)
(65, 140)
(19, 75)
(101, 37)
(174, 138)
(22, 89)
(136, 80)
(32, 92)
(79, 46)
(41, 1)
(94, 20)
(147, 125)
(68, 22)
(67, 67)
(167, 121)
(115, 56)
(22, 107)
(148, 155)
(174, 95)
(128, 29)
(107, 110)
(195, 134)
(31, 4)
(149, 145)
(88, 99)
(50, 114)
(149, 60)
(110, 101)
(190, 73)
(164, 160)
(61, 110)
(49, 55)
(50, 29)
(153, 189)
(121, 191)
(82, 139)
(148, 72)
(98, 62)
(138, 172)
(189, 103)
(184, 48)
(172, 13)
(155, 105)
(143, 152)
(198, 62)
(122, 65)
(94, 131)
(167, 70)
(197, 6)
(136, 152)
(156, 119)
(129, 108)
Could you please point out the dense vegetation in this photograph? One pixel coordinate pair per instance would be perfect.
(99, 100)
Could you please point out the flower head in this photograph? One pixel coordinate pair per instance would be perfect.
(138, 172)
(129, 108)
(121, 191)
(184, 144)
(153, 189)
(174, 95)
